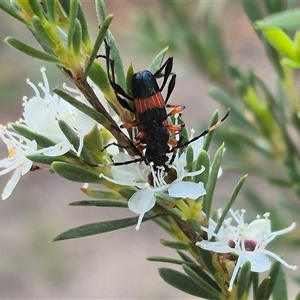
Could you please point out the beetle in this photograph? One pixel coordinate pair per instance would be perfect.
(149, 105)
(151, 118)
(158, 146)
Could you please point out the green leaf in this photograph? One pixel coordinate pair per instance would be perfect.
(203, 159)
(101, 194)
(72, 20)
(252, 9)
(129, 75)
(100, 203)
(99, 40)
(98, 74)
(194, 225)
(36, 8)
(186, 258)
(267, 285)
(174, 245)
(281, 42)
(203, 283)
(44, 159)
(12, 11)
(262, 289)
(165, 197)
(27, 133)
(255, 283)
(290, 63)
(75, 173)
(274, 6)
(93, 143)
(289, 19)
(97, 228)
(273, 275)
(73, 138)
(189, 157)
(51, 10)
(279, 291)
(116, 57)
(77, 38)
(184, 283)
(32, 51)
(210, 134)
(101, 11)
(84, 28)
(167, 260)
(244, 281)
(207, 259)
(42, 32)
(212, 180)
(126, 192)
(157, 62)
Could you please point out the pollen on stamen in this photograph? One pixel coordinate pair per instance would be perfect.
(11, 152)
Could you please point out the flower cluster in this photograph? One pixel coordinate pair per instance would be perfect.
(41, 115)
(247, 241)
(138, 174)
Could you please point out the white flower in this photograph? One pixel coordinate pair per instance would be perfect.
(18, 147)
(41, 115)
(247, 241)
(137, 175)
(42, 112)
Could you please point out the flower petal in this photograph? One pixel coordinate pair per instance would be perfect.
(186, 189)
(11, 184)
(141, 202)
(259, 262)
(218, 247)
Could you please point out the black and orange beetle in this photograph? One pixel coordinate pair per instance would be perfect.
(151, 118)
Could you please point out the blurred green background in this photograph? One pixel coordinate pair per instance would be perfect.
(114, 265)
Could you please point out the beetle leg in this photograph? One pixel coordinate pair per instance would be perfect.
(175, 109)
